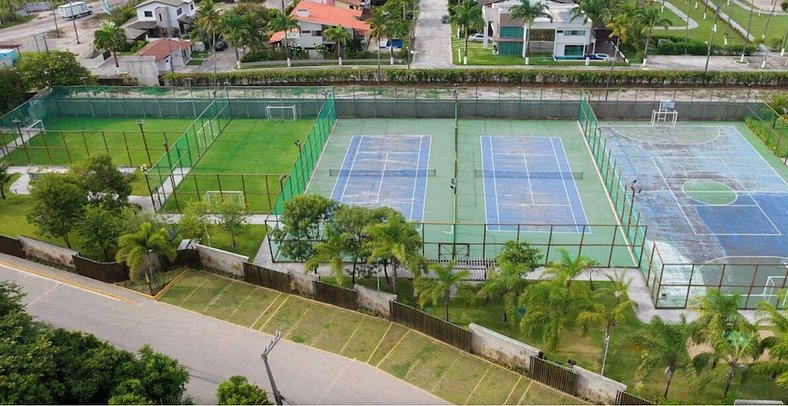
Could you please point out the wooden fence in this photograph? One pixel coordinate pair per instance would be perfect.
(11, 246)
(431, 325)
(266, 277)
(552, 374)
(335, 295)
(624, 398)
(109, 272)
(187, 258)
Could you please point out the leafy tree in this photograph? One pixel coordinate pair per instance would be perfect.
(163, 378)
(340, 36)
(648, 16)
(209, 21)
(662, 345)
(231, 217)
(777, 364)
(283, 22)
(236, 29)
(300, 225)
(237, 390)
(110, 37)
(12, 89)
(467, 15)
(102, 181)
(193, 222)
(129, 392)
(136, 248)
(55, 68)
(600, 12)
(513, 263)
(377, 30)
(610, 307)
(99, 230)
(529, 11)
(394, 241)
(56, 206)
(256, 17)
(5, 178)
(437, 285)
(331, 252)
(396, 28)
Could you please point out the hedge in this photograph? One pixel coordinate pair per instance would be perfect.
(673, 45)
(577, 77)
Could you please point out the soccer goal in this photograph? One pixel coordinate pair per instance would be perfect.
(204, 134)
(214, 196)
(666, 114)
(281, 112)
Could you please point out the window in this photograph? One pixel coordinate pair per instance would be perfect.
(191, 6)
(179, 11)
(149, 14)
(574, 33)
(317, 33)
(573, 50)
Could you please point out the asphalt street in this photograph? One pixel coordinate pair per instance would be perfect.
(211, 349)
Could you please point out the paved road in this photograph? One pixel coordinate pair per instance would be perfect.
(433, 39)
(211, 349)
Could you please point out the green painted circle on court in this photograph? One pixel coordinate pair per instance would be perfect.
(709, 191)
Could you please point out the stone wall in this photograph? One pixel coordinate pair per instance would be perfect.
(597, 388)
(375, 300)
(48, 252)
(303, 282)
(500, 348)
(222, 260)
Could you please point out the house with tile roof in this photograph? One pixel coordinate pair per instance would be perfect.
(168, 53)
(313, 18)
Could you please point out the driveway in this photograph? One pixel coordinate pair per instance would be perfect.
(211, 349)
(226, 61)
(433, 38)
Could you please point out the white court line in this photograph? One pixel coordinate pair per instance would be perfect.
(382, 176)
(484, 184)
(757, 153)
(347, 152)
(667, 186)
(577, 191)
(534, 205)
(521, 153)
(415, 180)
(350, 171)
(528, 176)
(495, 181)
(751, 198)
(426, 178)
(563, 182)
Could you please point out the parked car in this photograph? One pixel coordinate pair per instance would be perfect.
(220, 45)
(478, 37)
(445, 19)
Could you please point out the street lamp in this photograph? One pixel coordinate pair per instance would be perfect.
(278, 398)
(297, 143)
(54, 16)
(711, 40)
(141, 123)
(74, 21)
(635, 189)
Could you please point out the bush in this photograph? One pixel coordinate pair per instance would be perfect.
(238, 391)
(673, 45)
(264, 55)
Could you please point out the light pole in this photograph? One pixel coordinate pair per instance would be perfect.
(141, 123)
(617, 294)
(74, 21)
(17, 123)
(711, 39)
(278, 398)
(747, 37)
(635, 189)
(54, 16)
(612, 65)
(297, 143)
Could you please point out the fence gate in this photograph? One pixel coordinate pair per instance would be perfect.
(552, 374)
(624, 398)
(453, 251)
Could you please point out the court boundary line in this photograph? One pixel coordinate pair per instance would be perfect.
(752, 147)
(484, 184)
(382, 176)
(347, 151)
(528, 176)
(416, 179)
(577, 191)
(426, 178)
(350, 171)
(718, 128)
(750, 195)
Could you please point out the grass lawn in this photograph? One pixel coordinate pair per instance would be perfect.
(161, 279)
(13, 216)
(477, 55)
(261, 150)
(73, 139)
(429, 364)
(195, 62)
(248, 243)
(703, 31)
(776, 28)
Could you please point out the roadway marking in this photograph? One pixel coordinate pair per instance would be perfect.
(336, 378)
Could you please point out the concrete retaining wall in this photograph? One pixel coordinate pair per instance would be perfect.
(48, 252)
(303, 282)
(597, 388)
(375, 300)
(222, 260)
(499, 348)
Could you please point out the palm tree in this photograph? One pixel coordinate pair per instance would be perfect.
(718, 315)
(777, 366)
(600, 12)
(515, 260)
(110, 37)
(331, 252)
(734, 347)
(662, 345)
(466, 15)
(606, 312)
(5, 178)
(136, 248)
(209, 20)
(433, 290)
(394, 241)
(621, 27)
(552, 306)
(529, 11)
(649, 16)
(567, 268)
(396, 29)
(377, 30)
(340, 36)
(236, 30)
(283, 22)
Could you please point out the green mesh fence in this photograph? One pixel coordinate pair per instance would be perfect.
(771, 127)
(296, 182)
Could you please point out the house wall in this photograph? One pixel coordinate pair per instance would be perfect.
(307, 39)
(166, 12)
(562, 39)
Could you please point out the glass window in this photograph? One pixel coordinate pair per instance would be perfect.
(191, 6)
(179, 11)
(149, 14)
(574, 33)
(573, 50)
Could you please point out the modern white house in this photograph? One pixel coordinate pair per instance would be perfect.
(162, 18)
(313, 18)
(557, 34)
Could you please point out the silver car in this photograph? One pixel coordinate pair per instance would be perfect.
(476, 37)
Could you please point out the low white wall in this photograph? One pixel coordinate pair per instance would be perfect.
(303, 282)
(222, 260)
(597, 388)
(374, 300)
(47, 252)
(500, 348)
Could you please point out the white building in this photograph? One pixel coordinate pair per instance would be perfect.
(554, 33)
(313, 18)
(161, 18)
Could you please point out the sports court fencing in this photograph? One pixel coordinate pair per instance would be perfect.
(771, 127)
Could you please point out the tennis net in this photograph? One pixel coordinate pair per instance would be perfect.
(382, 172)
(528, 174)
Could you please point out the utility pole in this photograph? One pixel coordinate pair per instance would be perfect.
(54, 16)
(711, 39)
(278, 398)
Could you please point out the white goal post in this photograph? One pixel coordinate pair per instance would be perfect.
(665, 114)
(284, 112)
(214, 196)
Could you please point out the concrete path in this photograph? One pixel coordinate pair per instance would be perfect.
(433, 38)
(211, 349)
(682, 15)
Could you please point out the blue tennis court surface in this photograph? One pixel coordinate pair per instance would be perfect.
(385, 171)
(528, 180)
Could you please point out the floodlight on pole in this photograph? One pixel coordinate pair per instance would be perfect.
(278, 398)
(635, 188)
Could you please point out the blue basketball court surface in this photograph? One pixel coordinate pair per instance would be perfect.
(528, 180)
(385, 171)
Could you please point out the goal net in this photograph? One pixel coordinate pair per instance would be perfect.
(666, 114)
(281, 112)
(214, 197)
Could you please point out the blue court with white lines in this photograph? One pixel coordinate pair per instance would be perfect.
(385, 171)
(528, 180)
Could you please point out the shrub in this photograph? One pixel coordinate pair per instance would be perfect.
(674, 45)
(264, 55)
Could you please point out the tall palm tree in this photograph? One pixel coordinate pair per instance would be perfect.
(568, 268)
(735, 347)
(377, 30)
(396, 29)
(283, 22)
(110, 37)
(437, 285)
(622, 28)
(340, 36)
(770, 315)
(394, 241)
(236, 30)
(5, 178)
(610, 307)
(513, 263)
(718, 315)
(649, 16)
(209, 21)
(529, 11)
(552, 306)
(136, 248)
(332, 252)
(600, 12)
(662, 345)
(466, 15)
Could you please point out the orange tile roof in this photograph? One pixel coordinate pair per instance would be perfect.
(276, 37)
(317, 13)
(161, 50)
